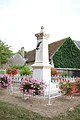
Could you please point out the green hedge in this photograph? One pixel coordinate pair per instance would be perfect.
(67, 56)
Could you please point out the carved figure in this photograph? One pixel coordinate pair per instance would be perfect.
(38, 45)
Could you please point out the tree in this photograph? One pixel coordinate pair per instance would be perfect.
(5, 52)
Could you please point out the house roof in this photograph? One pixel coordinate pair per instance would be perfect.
(52, 48)
(16, 59)
(77, 43)
(30, 56)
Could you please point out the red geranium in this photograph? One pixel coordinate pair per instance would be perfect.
(54, 72)
(12, 71)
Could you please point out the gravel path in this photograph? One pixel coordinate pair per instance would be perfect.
(39, 105)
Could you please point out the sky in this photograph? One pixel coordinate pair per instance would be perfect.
(20, 20)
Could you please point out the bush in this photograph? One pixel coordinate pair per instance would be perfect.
(69, 88)
(11, 71)
(65, 87)
(54, 72)
(17, 67)
(4, 81)
(64, 74)
(32, 86)
(25, 71)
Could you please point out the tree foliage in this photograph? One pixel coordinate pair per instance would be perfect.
(67, 56)
(5, 52)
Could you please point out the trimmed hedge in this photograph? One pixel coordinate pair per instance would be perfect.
(67, 56)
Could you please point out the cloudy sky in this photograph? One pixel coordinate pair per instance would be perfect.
(21, 19)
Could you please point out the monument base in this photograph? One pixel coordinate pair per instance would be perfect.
(42, 71)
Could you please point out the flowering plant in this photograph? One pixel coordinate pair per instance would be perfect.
(70, 88)
(32, 86)
(4, 81)
(54, 72)
(12, 71)
(65, 87)
(78, 85)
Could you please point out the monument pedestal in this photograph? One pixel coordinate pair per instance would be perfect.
(42, 71)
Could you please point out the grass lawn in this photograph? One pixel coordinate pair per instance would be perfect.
(14, 112)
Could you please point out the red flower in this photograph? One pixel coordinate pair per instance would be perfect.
(54, 71)
(72, 88)
(68, 80)
(12, 71)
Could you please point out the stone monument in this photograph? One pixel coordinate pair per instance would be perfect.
(41, 67)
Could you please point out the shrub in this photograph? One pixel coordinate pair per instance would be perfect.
(4, 81)
(19, 67)
(32, 86)
(70, 88)
(54, 72)
(78, 84)
(25, 71)
(65, 87)
(64, 74)
(11, 71)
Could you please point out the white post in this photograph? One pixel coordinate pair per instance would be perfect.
(49, 92)
(11, 88)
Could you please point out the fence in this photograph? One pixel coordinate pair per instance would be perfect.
(62, 79)
(14, 87)
(54, 84)
(53, 88)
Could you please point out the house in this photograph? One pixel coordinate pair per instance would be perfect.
(17, 59)
(64, 53)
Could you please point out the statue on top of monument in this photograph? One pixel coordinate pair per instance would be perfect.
(42, 29)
